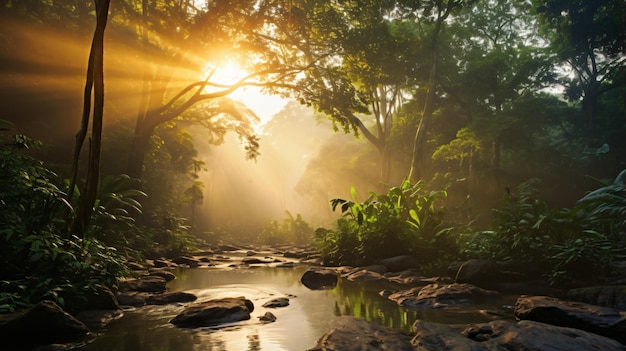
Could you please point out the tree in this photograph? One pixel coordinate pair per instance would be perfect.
(589, 37)
(437, 11)
(499, 67)
(95, 82)
(173, 35)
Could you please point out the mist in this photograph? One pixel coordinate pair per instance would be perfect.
(296, 172)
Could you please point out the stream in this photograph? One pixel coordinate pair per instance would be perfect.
(298, 326)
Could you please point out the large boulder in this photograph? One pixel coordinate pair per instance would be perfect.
(399, 263)
(354, 334)
(100, 298)
(44, 323)
(613, 296)
(441, 295)
(214, 312)
(604, 321)
(506, 335)
(319, 278)
(478, 271)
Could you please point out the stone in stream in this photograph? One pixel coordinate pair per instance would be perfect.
(399, 263)
(604, 321)
(319, 278)
(353, 334)
(441, 295)
(171, 297)
(613, 296)
(268, 317)
(214, 312)
(43, 323)
(277, 302)
(149, 283)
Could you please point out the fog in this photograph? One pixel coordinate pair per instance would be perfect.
(294, 173)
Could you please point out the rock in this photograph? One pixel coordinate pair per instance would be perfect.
(378, 268)
(404, 297)
(159, 263)
(604, 321)
(607, 296)
(44, 323)
(354, 334)
(399, 263)
(98, 319)
(277, 302)
(296, 254)
(503, 335)
(102, 298)
(186, 260)
(214, 312)
(132, 298)
(268, 317)
(478, 272)
(441, 295)
(490, 275)
(149, 283)
(254, 260)
(363, 275)
(135, 266)
(319, 278)
(172, 297)
(167, 275)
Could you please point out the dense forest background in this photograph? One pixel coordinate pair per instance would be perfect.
(471, 99)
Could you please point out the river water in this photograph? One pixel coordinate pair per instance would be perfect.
(298, 326)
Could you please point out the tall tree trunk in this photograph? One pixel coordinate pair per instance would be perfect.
(139, 147)
(415, 172)
(95, 77)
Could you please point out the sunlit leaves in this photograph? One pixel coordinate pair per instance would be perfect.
(405, 220)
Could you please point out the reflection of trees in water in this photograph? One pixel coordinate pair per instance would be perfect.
(208, 341)
(254, 343)
(361, 300)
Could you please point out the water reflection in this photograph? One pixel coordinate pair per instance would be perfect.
(298, 326)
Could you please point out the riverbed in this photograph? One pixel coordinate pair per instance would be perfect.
(298, 326)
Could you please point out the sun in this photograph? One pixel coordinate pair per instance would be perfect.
(264, 105)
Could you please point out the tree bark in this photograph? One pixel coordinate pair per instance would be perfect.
(415, 172)
(95, 78)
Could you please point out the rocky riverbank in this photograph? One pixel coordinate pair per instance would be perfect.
(542, 318)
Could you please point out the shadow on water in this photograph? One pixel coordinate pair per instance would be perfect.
(298, 326)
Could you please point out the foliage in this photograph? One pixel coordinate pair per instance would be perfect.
(295, 231)
(168, 234)
(569, 244)
(405, 220)
(117, 205)
(37, 259)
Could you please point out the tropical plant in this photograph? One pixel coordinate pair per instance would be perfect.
(405, 220)
(115, 209)
(581, 243)
(37, 258)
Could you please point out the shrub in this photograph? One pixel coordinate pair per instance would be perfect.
(405, 220)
